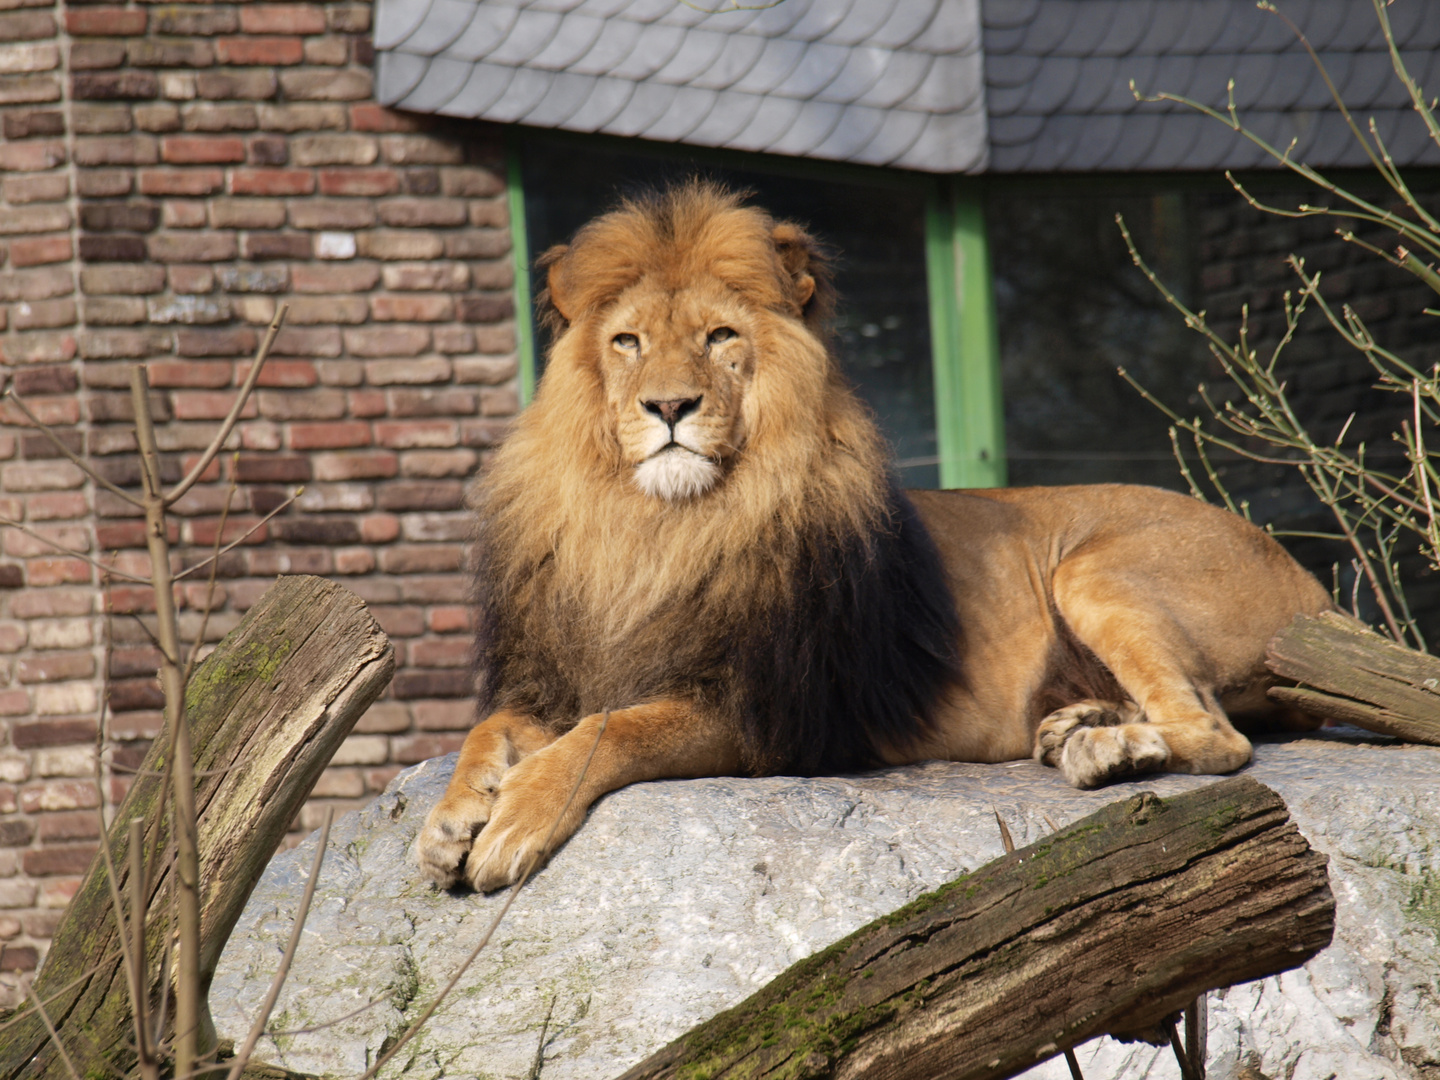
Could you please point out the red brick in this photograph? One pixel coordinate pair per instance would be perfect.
(432, 683)
(259, 51)
(96, 55)
(201, 149)
(229, 341)
(354, 561)
(423, 213)
(359, 182)
(329, 436)
(69, 825)
(448, 652)
(370, 465)
(191, 247)
(422, 495)
(40, 251)
(370, 117)
(278, 245)
(19, 958)
(312, 85)
(277, 469)
(412, 307)
(385, 341)
(31, 156)
(282, 18)
(115, 86)
(450, 619)
(111, 535)
(290, 374)
(56, 571)
(271, 182)
(60, 859)
(181, 181)
(169, 53)
(334, 277)
(26, 26)
(254, 84)
(209, 405)
(295, 341)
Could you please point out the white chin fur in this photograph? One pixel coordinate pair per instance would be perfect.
(676, 474)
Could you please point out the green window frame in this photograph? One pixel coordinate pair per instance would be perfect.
(964, 344)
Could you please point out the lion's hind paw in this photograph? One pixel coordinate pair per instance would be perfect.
(1095, 742)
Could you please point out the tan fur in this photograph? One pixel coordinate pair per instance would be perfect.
(1064, 595)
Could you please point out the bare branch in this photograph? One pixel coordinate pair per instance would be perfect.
(54, 1035)
(75, 459)
(228, 424)
(242, 1056)
(430, 1009)
(73, 553)
(241, 539)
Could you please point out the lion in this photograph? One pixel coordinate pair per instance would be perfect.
(694, 560)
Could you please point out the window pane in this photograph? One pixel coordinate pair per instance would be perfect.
(881, 330)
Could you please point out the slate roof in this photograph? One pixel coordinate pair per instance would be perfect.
(883, 82)
(1057, 76)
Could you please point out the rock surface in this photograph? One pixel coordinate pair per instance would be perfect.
(678, 899)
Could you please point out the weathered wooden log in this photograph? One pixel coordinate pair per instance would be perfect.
(1348, 672)
(267, 710)
(1109, 926)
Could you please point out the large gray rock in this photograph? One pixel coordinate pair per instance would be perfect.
(678, 899)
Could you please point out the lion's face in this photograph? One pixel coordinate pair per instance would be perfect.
(676, 367)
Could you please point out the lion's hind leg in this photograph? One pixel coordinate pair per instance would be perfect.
(491, 748)
(1165, 664)
(1113, 741)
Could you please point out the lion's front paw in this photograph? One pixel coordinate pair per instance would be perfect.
(523, 830)
(443, 844)
(1095, 742)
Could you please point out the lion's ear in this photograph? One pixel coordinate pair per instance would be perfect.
(807, 265)
(553, 303)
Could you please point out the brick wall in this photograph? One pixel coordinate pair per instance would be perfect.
(169, 174)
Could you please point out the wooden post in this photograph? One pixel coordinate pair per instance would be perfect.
(1110, 926)
(267, 710)
(1348, 672)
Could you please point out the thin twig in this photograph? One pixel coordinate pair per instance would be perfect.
(1005, 838)
(242, 538)
(242, 1056)
(1187, 1070)
(54, 1035)
(430, 1009)
(210, 585)
(75, 459)
(73, 553)
(228, 424)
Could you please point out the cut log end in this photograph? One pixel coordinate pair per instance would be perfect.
(1344, 671)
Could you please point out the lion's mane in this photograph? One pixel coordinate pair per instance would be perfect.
(801, 600)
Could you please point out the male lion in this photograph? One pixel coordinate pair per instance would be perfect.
(694, 531)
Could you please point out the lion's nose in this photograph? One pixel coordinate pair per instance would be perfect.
(672, 411)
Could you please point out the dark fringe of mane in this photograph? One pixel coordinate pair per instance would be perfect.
(857, 658)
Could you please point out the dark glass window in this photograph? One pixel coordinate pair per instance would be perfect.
(877, 233)
(1072, 308)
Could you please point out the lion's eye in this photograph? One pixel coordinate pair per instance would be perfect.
(720, 334)
(626, 341)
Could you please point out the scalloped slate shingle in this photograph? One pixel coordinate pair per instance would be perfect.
(1058, 73)
(881, 82)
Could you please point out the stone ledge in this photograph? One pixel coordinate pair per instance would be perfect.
(678, 899)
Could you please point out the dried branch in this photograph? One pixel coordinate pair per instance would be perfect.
(233, 416)
(242, 1056)
(430, 1009)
